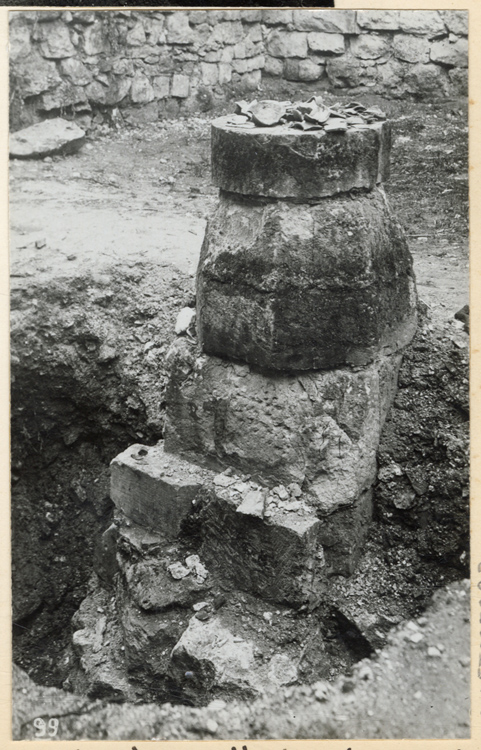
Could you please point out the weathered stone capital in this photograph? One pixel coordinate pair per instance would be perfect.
(281, 162)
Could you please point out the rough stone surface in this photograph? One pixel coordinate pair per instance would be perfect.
(369, 46)
(320, 430)
(94, 41)
(152, 588)
(141, 90)
(45, 138)
(18, 39)
(287, 44)
(426, 79)
(285, 286)
(112, 94)
(459, 79)
(450, 54)
(161, 86)
(321, 41)
(421, 22)
(149, 637)
(344, 71)
(284, 163)
(332, 21)
(275, 17)
(278, 558)
(178, 29)
(411, 48)
(98, 641)
(157, 574)
(378, 20)
(75, 71)
(219, 660)
(273, 66)
(33, 74)
(180, 86)
(392, 73)
(105, 556)
(457, 21)
(55, 40)
(302, 70)
(153, 488)
(62, 97)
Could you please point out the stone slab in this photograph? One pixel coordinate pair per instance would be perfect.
(291, 287)
(154, 489)
(319, 429)
(46, 138)
(281, 162)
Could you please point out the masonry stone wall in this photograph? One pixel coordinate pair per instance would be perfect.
(152, 63)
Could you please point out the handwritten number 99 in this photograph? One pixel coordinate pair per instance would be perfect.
(44, 729)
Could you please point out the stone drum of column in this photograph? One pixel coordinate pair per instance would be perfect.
(303, 266)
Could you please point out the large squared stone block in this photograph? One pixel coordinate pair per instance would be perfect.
(279, 162)
(318, 429)
(154, 489)
(290, 287)
(277, 558)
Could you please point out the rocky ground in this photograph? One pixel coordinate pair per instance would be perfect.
(401, 692)
(104, 246)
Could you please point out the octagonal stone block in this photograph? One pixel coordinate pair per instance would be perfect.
(290, 287)
(281, 162)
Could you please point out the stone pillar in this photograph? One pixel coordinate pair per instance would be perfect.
(305, 300)
(303, 266)
(262, 485)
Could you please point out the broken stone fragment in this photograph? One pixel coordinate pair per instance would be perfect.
(319, 430)
(267, 113)
(148, 638)
(98, 641)
(105, 552)
(46, 138)
(185, 322)
(222, 663)
(279, 162)
(153, 587)
(253, 503)
(178, 571)
(285, 286)
(335, 125)
(155, 489)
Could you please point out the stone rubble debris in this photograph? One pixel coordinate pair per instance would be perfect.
(314, 114)
(185, 323)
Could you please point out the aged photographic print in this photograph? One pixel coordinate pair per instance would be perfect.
(239, 295)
